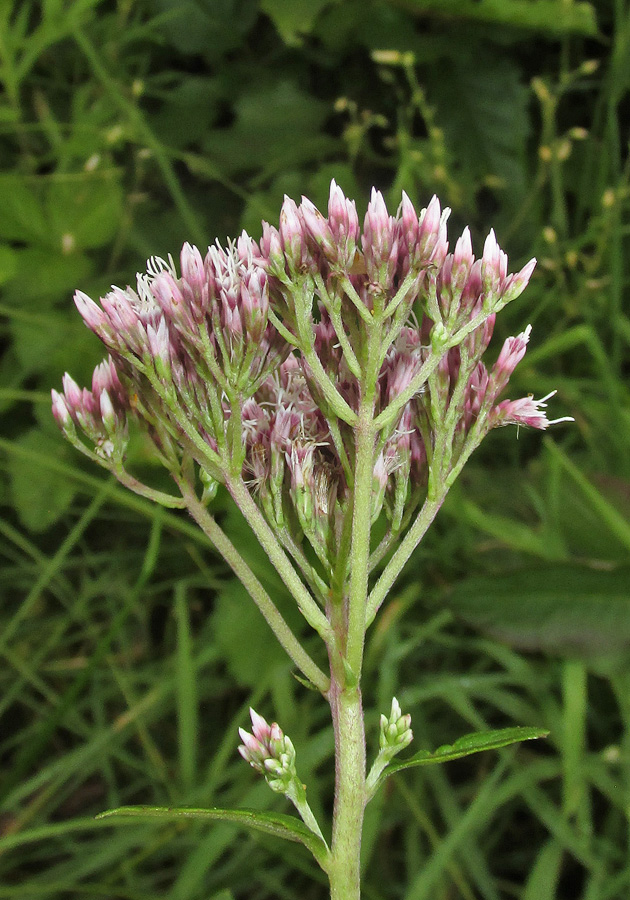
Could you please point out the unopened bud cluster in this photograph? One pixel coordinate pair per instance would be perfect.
(395, 733)
(270, 752)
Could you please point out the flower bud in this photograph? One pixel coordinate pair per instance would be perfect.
(396, 733)
(291, 233)
(270, 752)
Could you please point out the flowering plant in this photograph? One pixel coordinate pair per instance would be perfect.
(328, 377)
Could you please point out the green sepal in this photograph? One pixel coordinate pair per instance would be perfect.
(305, 682)
(476, 742)
(350, 676)
(277, 824)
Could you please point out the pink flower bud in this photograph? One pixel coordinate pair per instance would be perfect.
(92, 315)
(193, 270)
(255, 304)
(429, 227)
(60, 411)
(291, 232)
(108, 414)
(493, 265)
(72, 392)
(270, 244)
(463, 260)
(409, 221)
(158, 340)
(511, 354)
(516, 284)
(343, 223)
(380, 247)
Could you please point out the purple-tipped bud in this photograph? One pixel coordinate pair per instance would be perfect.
(60, 411)
(493, 266)
(429, 226)
(270, 244)
(270, 752)
(511, 354)
(291, 233)
(379, 241)
(193, 270)
(255, 304)
(409, 220)
(344, 225)
(377, 217)
(92, 315)
(463, 260)
(160, 347)
(516, 284)
(316, 227)
(72, 392)
(438, 255)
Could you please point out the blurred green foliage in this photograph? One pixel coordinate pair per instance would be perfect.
(129, 656)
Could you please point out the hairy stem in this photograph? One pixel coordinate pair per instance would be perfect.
(269, 542)
(406, 547)
(257, 592)
(344, 869)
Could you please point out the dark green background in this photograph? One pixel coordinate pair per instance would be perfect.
(129, 656)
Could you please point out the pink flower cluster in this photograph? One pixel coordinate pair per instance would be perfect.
(270, 752)
(278, 328)
(100, 413)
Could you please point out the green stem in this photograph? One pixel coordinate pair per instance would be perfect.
(257, 592)
(365, 438)
(360, 543)
(269, 542)
(344, 869)
(345, 695)
(406, 547)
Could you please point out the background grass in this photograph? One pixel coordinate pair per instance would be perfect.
(129, 656)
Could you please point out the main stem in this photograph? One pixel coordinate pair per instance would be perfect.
(348, 619)
(344, 869)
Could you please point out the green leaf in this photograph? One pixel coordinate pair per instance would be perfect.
(44, 277)
(293, 18)
(482, 105)
(277, 127)
(48, 343)
(276, 824)
(562, 609)
(551, 16)
(8, 263)
(84, 212)
(22, 216)
(250, 651)
(39, 498)
(189, 111)
(211, 28)
(467, 745)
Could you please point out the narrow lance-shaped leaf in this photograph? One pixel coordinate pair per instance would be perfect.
(276, 824)
(467, 745)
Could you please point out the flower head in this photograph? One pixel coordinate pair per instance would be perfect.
(253, 359)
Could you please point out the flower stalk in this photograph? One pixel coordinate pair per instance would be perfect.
(329, 376)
